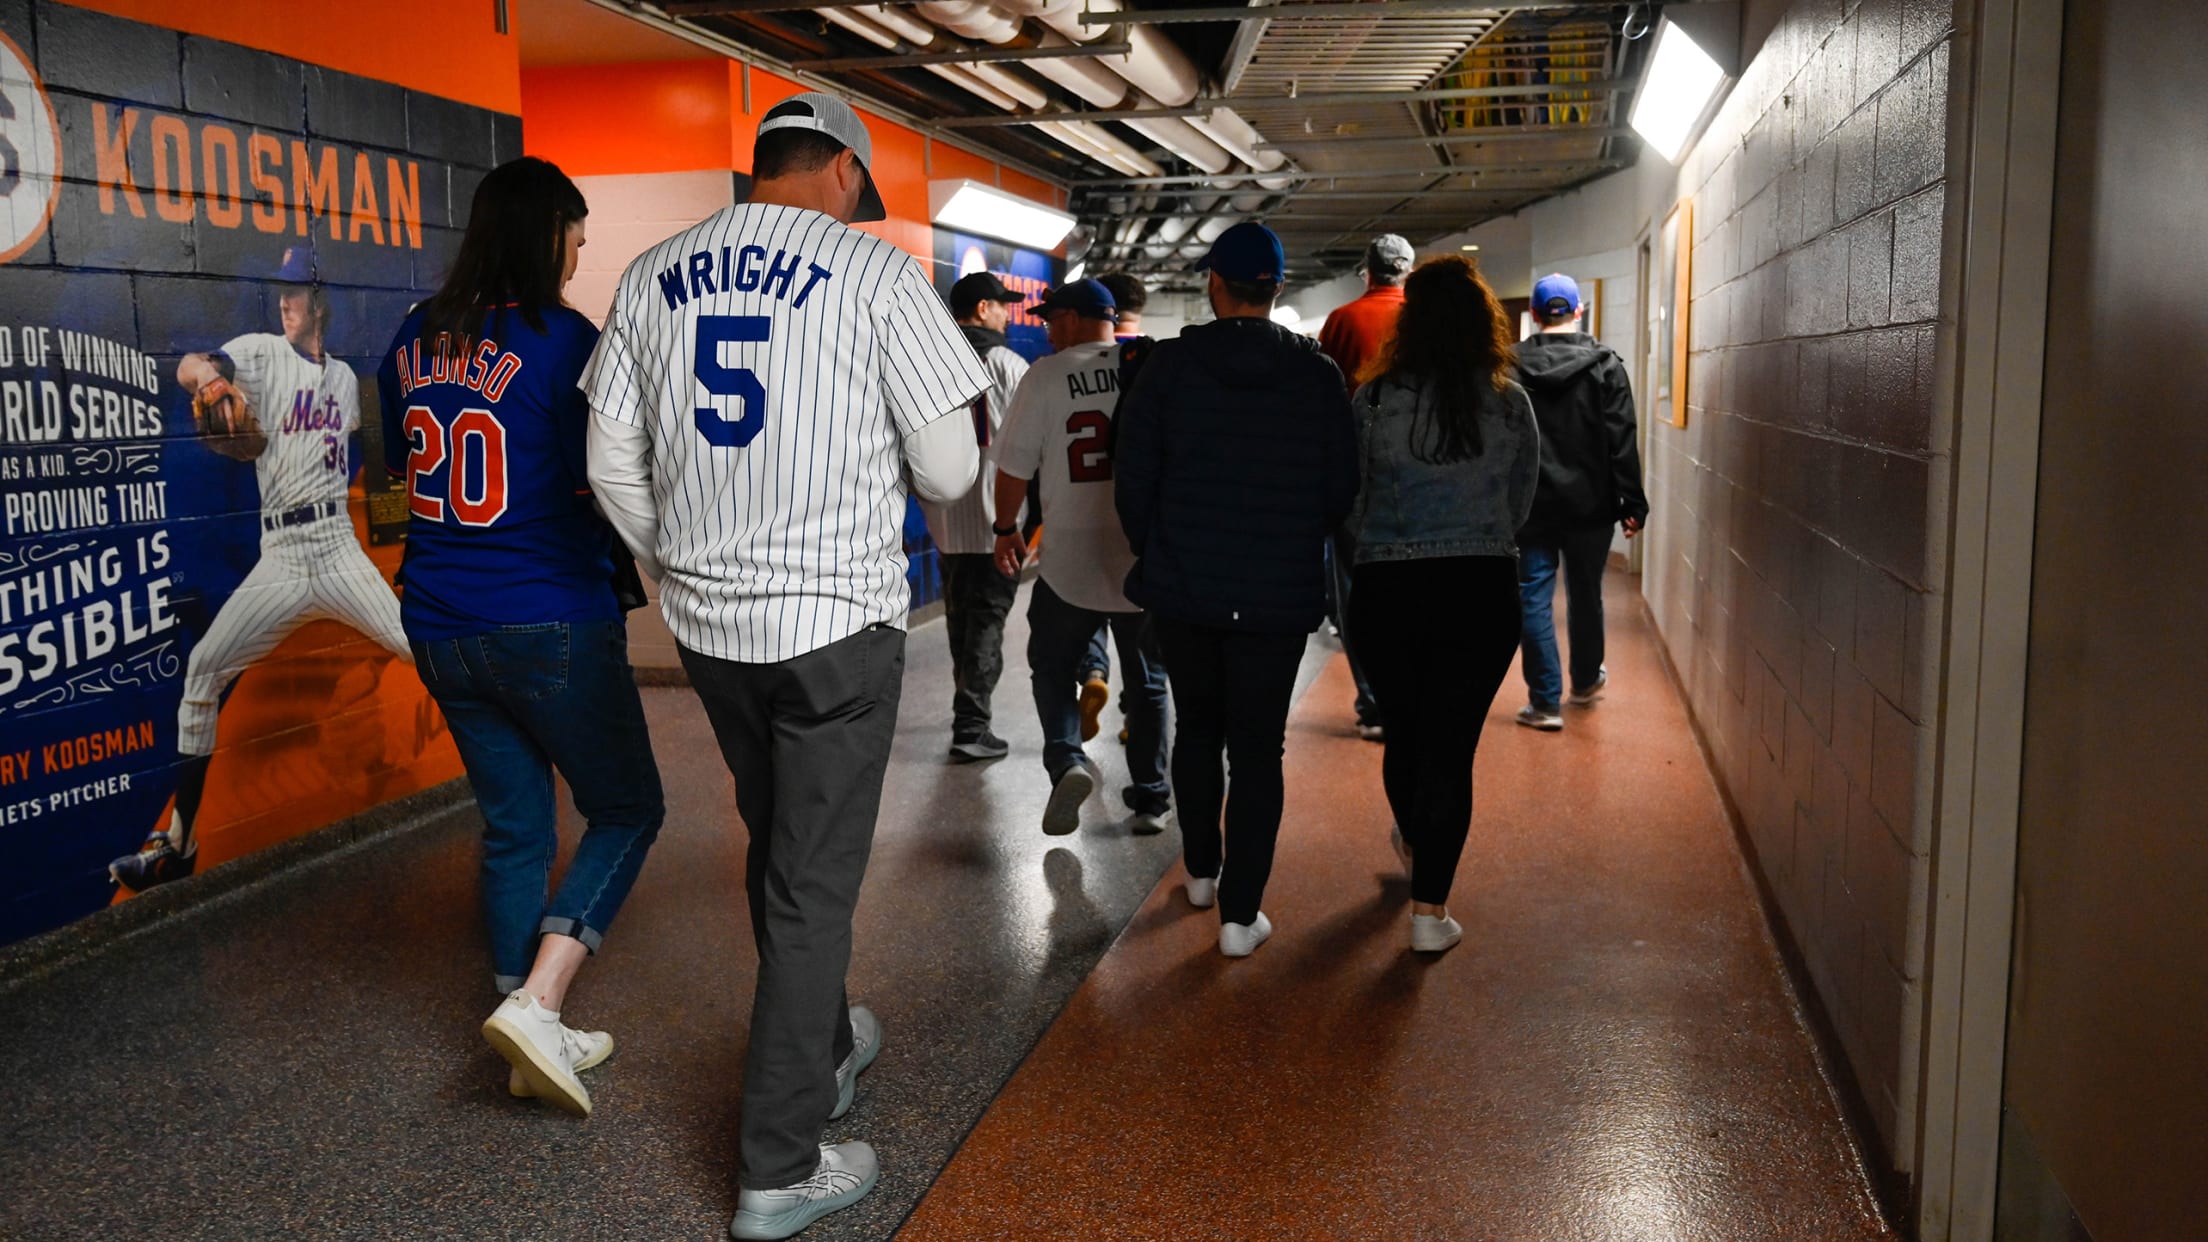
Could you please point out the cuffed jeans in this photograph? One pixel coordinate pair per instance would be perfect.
(522, 702)
(976, 600)
(1231, 691)
(807, 740)
(1058, 637)
(1584, 554)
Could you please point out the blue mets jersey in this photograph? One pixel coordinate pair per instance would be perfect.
(488, 433)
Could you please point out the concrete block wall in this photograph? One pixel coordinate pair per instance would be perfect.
(1794, 550)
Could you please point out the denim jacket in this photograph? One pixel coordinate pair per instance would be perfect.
(1409, 509)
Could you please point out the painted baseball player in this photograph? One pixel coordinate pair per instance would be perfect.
(770, 384)
(285, 405)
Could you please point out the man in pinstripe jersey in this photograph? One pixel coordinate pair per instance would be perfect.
(769, 383)
(976, 598)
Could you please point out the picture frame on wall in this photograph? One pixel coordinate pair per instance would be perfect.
(1668, 322)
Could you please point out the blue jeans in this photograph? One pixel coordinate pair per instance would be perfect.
(1584, 554)
(523, 701)
(1058, 635)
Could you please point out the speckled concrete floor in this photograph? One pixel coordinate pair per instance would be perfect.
(301, 1059)
(1610, 1055)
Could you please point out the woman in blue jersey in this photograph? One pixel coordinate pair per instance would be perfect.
(511, 609)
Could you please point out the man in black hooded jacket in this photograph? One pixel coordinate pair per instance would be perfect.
(1236, 457)
(1590, 481)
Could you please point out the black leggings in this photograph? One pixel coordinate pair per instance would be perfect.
(1437, 637)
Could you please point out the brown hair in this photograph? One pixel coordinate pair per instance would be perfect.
(1451, 339)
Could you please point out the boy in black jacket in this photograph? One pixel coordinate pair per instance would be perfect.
(1590, 481)
(1236, 458)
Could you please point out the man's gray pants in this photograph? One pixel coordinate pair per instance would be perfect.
(808, 743)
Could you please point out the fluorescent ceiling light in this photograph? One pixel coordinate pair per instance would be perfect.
(1468, 247)
(976, 208)
(1075, 272)
(1676, 93)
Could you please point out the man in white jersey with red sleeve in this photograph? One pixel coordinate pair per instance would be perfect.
(767, 383)
(1060, 429)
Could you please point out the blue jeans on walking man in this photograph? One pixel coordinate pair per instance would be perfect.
(522, 701)
(1058, 635)
(1583, 554)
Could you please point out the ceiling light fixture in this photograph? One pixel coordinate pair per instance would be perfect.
(976, 208)
(1696, 45)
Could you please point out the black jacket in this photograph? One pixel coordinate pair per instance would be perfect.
(1590, 458)
(1236, 455)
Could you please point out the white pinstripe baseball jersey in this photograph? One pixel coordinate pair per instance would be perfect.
(307, 409)
(777, 359)
(967, 525)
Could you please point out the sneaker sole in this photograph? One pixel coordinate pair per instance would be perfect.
(972, 755)
(1443, 947)
(546, 1079)
(1146, 826)
(750, 1225)
(1544, 726)
(519, 1088)
(1062, 814)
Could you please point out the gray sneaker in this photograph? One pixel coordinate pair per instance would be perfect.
(1585, 698)
(845, 1173)
(1545, 719)
(866, 1044)
(1062, 814)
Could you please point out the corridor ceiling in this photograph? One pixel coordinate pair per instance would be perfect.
(1420, 117)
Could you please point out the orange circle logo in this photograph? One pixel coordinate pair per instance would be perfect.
(30, 153)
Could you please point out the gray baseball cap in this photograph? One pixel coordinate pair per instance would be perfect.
(829, 115)
(1389, 255)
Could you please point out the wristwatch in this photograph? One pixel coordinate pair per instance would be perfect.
(1004, 532)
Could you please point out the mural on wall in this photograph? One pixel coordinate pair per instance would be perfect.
(202, 249)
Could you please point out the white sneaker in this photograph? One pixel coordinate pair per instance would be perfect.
(1242, 939)
(545, 1053)
(598, 1046)
(1062, 814)
(1581, 698)
(866, 1044)
(1202, 892)
(1432, 935)
(845, 1173)
(1146, 824)
(1545, 719)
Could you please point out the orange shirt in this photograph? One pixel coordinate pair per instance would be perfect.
(1355, 333)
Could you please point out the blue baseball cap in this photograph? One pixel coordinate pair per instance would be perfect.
(1248, 251)
(1087, 298)
(297, 267)
(1556, 294)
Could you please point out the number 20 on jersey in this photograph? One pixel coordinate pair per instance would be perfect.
(474, 486)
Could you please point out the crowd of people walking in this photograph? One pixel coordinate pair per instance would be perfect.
(1194, 507)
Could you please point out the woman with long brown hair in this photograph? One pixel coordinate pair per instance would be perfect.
(1450, 456)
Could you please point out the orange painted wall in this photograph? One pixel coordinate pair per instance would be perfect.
(683, 116)
(438, 46)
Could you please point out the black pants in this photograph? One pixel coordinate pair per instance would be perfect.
(1230, 694)
(1438, 638)
(976, 599)
(808, 742)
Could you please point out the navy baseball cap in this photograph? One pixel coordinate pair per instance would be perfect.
(297, 267)
(1087, 298)
(1248, 251)
(974, 288)
(1556, 294)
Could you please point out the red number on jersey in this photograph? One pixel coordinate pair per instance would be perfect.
(1089, 455)
(422, 460)
(478, 433)
(477, 436)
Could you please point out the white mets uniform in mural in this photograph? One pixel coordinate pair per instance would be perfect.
(312, 566)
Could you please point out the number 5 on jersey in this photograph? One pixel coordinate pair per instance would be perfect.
(475, 451)
(721, 380)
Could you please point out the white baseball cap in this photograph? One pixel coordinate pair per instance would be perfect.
(829, 115)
